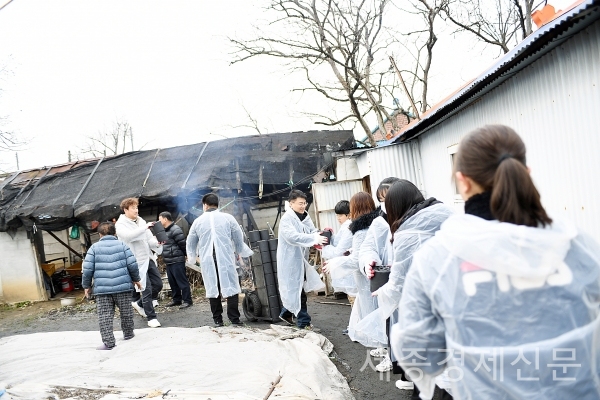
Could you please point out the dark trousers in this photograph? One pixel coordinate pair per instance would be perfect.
(156, 281)
(443, 395)
(180, 287)
(105, 304)
(153, 285)
(233, 311)
(302, 319)
(397, 369)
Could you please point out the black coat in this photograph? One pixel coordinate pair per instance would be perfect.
(174, 250)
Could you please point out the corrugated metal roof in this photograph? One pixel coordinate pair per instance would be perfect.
(173, 175)
(529, 50)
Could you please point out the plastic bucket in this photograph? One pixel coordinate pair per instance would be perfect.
(67, 285)
(159, 231)
(382, 275)
(67, 301)
(327, 234)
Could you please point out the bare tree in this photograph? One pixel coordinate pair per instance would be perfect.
(110, 142)
(252, 122)
(344, 36)
(422, 46)
(8, 139)
(496, 23)
(524, 9)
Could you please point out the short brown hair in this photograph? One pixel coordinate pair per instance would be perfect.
(128, 202)
(361, 203)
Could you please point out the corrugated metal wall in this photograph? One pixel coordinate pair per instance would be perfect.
(554, 104)
(327, 195)
(401, 161)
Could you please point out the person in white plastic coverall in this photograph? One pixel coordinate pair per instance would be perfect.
(377, 250)
(363, 213)
(413, 220)
(504, 298)
(296, 276)
(341, 243)
(134, 232)
(215, 237)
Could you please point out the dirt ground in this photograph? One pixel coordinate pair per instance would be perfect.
(329, 315)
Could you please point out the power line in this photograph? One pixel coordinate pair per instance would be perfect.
(7, 3)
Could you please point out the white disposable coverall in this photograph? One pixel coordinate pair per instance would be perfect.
(364, 303)
(409, 237)
(376, 246)
(295, 237)
(220, 231)
(340, 243)
(523, 301)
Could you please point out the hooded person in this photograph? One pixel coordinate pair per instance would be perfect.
(296, 276)
(340, 244)
(363, 213)
(215, 238)
(414, 220)
(134, 232)
(503, 298)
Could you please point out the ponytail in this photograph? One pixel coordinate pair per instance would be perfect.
(494, 157)
(514, 196)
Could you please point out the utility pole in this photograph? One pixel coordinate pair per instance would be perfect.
(405, 89)
(17, 157)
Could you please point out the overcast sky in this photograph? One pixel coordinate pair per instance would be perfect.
(72, 68)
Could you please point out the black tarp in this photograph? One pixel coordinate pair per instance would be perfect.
(170, 175)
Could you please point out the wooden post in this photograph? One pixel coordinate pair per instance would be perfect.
(405, 89)
(64, 244)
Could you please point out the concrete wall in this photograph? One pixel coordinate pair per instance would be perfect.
(20, 275)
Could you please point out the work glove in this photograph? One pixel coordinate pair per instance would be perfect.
(319, 239)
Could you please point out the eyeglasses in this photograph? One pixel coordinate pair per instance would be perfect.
(301, 204)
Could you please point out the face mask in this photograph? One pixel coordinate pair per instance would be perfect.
(383, 207)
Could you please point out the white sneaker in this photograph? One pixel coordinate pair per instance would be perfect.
(154, 303)
(139, 309)
(404, 385)
(378, 352)
(385, 365)
(153, 323)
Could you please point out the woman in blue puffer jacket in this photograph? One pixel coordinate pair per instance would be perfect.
(113, 268)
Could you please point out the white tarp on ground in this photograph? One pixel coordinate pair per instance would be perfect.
(198, 363)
